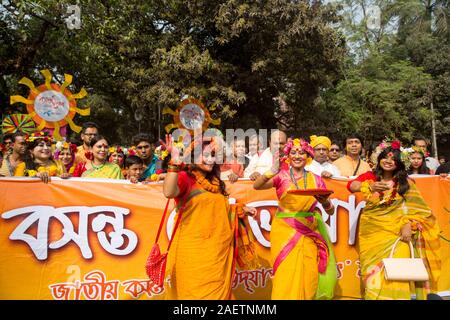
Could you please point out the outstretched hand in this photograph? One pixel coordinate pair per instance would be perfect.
(174, 151)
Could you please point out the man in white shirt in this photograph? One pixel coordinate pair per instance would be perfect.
(263, 163)
(320, 165)
(431, 163)
(254, 146)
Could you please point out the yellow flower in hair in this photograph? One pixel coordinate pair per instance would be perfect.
(296, 142)
(111, 150)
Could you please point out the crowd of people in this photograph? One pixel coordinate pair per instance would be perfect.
(39, 155)
(211, 237)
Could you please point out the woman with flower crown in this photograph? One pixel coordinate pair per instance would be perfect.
(97, 165)
(304, 265)
(418, 163)
(394, 209)
(66, 153)
(39, 162)
(205, 249)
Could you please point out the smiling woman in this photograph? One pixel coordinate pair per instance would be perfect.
(304, 265)
(97, 165)
(395, 210)
(39, 162)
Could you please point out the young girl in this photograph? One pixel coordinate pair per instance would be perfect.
(65, 152)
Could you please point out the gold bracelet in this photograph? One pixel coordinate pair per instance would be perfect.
(269, 174)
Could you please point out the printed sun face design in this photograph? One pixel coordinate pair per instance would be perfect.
(51, 105)
(191, 115)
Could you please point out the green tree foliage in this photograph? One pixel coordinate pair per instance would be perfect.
(141, 56)
(394, 70)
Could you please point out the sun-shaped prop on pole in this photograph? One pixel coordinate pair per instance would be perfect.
(191, 115)
(52, 106)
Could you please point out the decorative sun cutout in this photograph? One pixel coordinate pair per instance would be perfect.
(51, 105)
(191, 115)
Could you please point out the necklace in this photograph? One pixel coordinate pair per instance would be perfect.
(208, 186)
(97, 167)
(305, 176)
(391, 199)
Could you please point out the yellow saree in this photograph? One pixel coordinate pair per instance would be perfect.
(379, 228)
(302, 256)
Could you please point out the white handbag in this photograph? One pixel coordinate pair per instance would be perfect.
(404, 269)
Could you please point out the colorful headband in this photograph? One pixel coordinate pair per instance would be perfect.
(61, 145)
(118, 149)
(395, 145)
(131, 151)
(304, 146)
(44, 135)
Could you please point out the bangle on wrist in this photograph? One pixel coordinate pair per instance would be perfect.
(269, 174)
(172, 168)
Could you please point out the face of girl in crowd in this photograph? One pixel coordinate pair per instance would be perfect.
(297, 157)
(116, 158)
(65, 156)
(135, 170)
(100, 150)
(388, 163)
(416, 160)
(354, 146)
(42, 151)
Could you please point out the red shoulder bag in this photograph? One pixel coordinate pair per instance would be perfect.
(156, 262)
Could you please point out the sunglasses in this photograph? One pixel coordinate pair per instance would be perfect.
(337, 150)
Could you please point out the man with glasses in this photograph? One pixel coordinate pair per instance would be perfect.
(320, 165)
(90, 130)
(335, 153)
(144, 149)
(16, 156)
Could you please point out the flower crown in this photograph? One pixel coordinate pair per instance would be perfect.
(44, 135)
(117, 149)
(394, 145)
(415, 149)
(61, 145)
(131, 151)
(304, 145)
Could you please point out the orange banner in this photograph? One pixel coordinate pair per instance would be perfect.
(79, 239)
